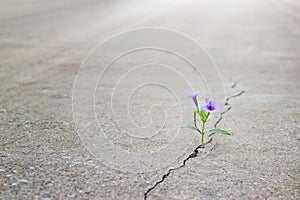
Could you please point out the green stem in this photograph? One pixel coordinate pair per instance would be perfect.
(202, 133)
(195, 118)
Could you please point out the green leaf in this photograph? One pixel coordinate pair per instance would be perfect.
(191, 127)
(219, 131)
(203, 115)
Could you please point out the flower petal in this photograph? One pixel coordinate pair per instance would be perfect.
(194, 97)
(207, 100)
(191, 95)
(211, 105)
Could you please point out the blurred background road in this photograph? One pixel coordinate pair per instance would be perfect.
(255, 43)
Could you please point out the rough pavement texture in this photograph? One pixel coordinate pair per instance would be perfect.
(255, 43)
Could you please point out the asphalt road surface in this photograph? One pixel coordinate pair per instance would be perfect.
(112, 131)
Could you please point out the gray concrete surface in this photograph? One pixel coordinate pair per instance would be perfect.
(255, 43)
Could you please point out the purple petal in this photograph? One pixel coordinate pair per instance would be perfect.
(204, 108)
(194, 97)
(211, 105)
(207, 100)
(191, 95)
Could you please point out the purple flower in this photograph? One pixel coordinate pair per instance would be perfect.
(194, 97)
(211, 105)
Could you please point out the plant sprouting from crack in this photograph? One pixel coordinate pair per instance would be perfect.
(210, 106)
(195, 152)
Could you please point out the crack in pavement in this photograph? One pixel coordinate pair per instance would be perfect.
(234, 84)
(229, 108)
(192, 155)
(195, 152)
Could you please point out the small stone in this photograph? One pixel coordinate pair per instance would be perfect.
(72, 195)
(23, 181)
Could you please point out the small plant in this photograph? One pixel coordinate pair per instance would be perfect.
(209, 107)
